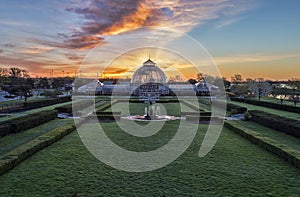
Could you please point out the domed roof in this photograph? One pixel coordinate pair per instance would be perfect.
(149, 73)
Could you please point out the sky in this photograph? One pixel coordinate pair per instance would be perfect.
(112, 38)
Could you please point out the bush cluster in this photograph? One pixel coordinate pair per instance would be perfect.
(45, 102)
(279, 123)
(29, 121)
(269, 105)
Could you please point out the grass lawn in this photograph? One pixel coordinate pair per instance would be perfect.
(99, 102)
(19, 101)
(266, 109)
(235, 167)
(139, 108)
(273, 100)
(14, 140)
(281, 137)
(35, 110)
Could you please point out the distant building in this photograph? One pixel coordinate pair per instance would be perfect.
(148, 81)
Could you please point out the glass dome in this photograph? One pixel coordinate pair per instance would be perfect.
(149, 73)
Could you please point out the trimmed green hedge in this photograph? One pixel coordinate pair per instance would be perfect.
(200, 113)
(29, 121)
(19, 154)
(235, 109)
(279, 123)
(103, 117)
(45, 102)
(273, 146)
(104, 113)
(68, 108)
(288, 108)
(202, 118)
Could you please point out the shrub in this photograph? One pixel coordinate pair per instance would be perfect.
(279, 123)
(247, 116)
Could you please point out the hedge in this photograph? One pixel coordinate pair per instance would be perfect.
(288, 108)
(19, 154)
(29, 121)
(104, 113)
(279, 123)
(273, 146)
(114, 117)
(201, 113)
(202, 118)
(45, 102)
(235, 109)
(68, 108)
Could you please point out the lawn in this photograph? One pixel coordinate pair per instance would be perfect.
(273, 100)
(235, 167)
(281, 137)
(266, 109)
(14, 140)
(139, 108)
(13, 115)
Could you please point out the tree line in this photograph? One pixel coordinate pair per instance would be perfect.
(17, 82)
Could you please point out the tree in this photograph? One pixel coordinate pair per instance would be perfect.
(192, 81)
(239, 89)
(42, 83)
(237, 78)
(199, 77)
(20, 83)
(3, 76)
(259, 87)
(294, 83)
(226, 83)
(18, 73)
(205, 77)
(176, 79)
(295, 99)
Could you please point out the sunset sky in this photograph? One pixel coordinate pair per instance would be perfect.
(256, 38)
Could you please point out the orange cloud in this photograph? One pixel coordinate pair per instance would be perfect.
(135, 20)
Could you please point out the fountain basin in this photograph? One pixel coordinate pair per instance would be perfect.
(155, 118)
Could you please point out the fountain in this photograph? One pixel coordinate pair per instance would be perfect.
(151, 113)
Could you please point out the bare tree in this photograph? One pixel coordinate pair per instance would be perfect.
(18, 73)
(259, 87)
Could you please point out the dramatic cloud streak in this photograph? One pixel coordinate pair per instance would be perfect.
(102, 18)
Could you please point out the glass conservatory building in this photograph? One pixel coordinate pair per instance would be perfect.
(148, 82)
